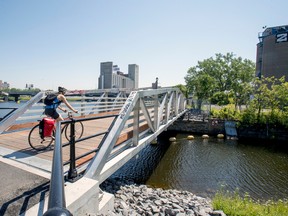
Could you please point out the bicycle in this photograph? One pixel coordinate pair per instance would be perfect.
(38, 143)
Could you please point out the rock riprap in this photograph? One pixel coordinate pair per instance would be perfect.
(133, 199)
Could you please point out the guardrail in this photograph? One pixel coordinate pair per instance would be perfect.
(7, 111)
(56, 202)
(33, 109)
(11, 118)
(73, 173)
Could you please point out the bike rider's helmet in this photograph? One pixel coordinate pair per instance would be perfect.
(62, 90)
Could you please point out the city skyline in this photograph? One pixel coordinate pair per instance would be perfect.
(51, 44)
(111, 76)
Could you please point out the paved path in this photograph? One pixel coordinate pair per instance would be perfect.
(21, 187)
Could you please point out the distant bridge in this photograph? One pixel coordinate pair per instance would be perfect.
(16, 95)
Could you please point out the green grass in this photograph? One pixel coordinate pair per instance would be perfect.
(234, 205)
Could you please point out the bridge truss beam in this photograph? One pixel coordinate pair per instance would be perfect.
(157, 109)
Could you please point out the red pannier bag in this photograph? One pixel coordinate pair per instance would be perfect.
(48, 126)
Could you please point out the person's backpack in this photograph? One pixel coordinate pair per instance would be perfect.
(49, 99)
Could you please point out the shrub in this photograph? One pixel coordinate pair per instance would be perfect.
(274, 118)
(227, 112)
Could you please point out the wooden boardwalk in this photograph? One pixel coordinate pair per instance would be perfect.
(17, 141)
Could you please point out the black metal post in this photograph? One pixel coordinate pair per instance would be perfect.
(72, 173)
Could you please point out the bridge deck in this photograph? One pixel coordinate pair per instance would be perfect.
(17, 142)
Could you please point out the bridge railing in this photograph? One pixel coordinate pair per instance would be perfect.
(90, 103)
(17, 113)
(72, 172)
(145, 114)
(57, 202)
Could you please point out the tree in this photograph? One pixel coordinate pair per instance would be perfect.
(203, 87)
(13, 90)
(261, 96)
(270, 94)
(224, 75)
(183, 89)
(280, 90)
(242, 75)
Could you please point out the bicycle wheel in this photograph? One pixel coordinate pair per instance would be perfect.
(36, 142)
(79, 129)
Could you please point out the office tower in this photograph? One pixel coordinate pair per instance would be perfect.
(133, 74)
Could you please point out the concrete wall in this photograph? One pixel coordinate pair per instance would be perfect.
(262, 133)
(212, 126)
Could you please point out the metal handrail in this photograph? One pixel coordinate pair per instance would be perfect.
(57, 203)
(33, 109)
(72, 173)
(5, 116)
(8, 121)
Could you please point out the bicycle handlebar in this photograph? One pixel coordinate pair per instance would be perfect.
(70, 115)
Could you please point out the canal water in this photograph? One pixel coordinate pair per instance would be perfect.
(204, 166)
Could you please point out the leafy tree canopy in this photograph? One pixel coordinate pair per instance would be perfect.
(12, 90)
(224, 74)
(183, 89)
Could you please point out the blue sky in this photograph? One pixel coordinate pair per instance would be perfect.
(62, 42)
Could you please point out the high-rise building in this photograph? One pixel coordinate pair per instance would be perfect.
(133, 73)
(112, 77)
(272, 52)
(4, 85)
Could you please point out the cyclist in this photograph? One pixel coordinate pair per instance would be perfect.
(50, 110)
